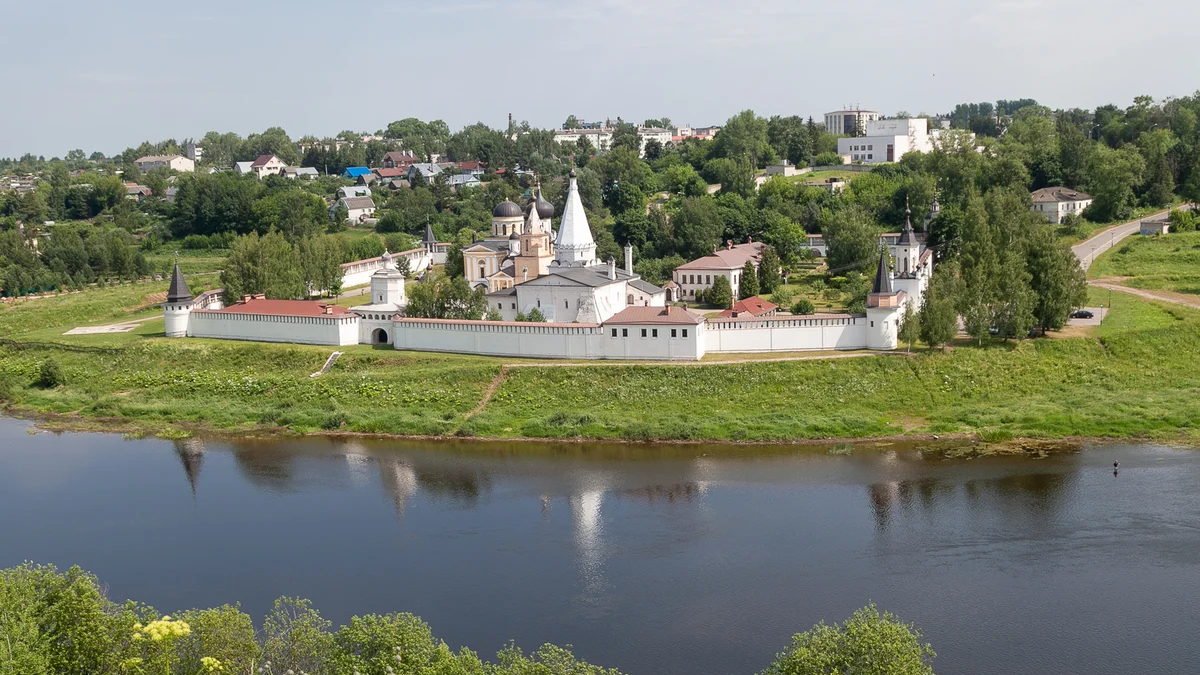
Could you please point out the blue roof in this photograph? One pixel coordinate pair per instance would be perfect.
(355, 171)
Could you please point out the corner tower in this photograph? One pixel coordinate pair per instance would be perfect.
(574, 246)
(178, 307)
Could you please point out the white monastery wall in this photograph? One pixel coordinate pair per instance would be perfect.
(533, 340)
(784, 334)
(309, 330)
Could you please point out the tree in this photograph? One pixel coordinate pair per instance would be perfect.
(267, 264)
(910, 326)
(769, 271)
(223, 633)
(748, 284)
(697, 227)
(852, 240)
(653, 150)
(571, 123)
(626, 136)
(744, 138)
(720, 294)
(1055, 277)
(1015, 301)
(297, 638)
(868, 643)
(1112, 176)
(803, 306)
(939, 320)
(535, 316)
(493, 314)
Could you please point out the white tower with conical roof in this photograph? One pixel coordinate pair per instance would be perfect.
(177, 309)
(574, 246)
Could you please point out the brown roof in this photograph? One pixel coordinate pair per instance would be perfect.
(472, 165)
(283, 308)
(389, 173)
(1059, 194)
(263, 159)
(655, 315)
(754, 306)
(727, 258)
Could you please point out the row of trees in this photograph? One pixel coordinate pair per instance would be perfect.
(73, 257)
(282, 269)
(61, 623)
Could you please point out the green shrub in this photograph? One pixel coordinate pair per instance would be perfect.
(803, 306)
(50, 375)
(335, 421)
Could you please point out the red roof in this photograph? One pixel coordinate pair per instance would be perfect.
(390, 173)
(754, 306)
(284, 308)
(472, 165)
(654, 316)
(263, 159)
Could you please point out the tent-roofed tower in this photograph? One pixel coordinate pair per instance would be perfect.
(574, 246)
(178, 306)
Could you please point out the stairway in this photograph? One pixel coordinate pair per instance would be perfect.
(328, 364)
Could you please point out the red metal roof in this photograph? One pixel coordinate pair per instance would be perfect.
(754, 306)
(284, 308)
(390, 173)
(262, 160)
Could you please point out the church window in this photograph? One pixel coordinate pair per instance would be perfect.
(872, 324)
(514, 305)
(707, 279)
(684, 332)
(654, 333)
(614, 332)
(643, 332)
(539, 302)
(566, 304)
(629, 299)
(673, 333)
(624, 332)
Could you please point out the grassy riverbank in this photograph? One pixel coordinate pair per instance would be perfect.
(1162, 263)
(1135, 376)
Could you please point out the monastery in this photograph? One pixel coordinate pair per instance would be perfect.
(593, 309)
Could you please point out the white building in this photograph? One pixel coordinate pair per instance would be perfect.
(358, 209)
(601, 139)
(699, 274)
(194, 152)
(267, 165)
(1056, 202)
(888, 141)
(172, 162)
(846, 122)
(304, 172)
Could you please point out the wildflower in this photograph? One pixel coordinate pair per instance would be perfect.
(209, 664)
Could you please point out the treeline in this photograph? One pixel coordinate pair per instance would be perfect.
(75, 256)
(61, 623)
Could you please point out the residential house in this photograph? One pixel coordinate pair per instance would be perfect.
(473, 167)
(698, 275)
(267, 165)
(463, 180)
(355, 171)
(354, 191)
(385, 174)
(194, 152)
(1056, 202)
(358, 209)
(754, 307)
(400, 159)
(172, 162)
(294, 172)
(427, 171)
(242, 168)
(137, 192)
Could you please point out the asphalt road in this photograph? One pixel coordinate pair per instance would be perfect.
(1088, 250)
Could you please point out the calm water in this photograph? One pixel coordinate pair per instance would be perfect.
(653, 560)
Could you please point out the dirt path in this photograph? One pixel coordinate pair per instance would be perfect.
(487, 394)
(1164, 296)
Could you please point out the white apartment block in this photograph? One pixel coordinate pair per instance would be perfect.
(173, 162)
(601, 139)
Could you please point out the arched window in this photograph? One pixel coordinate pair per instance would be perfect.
(629, 299)
(566, 304)
(539, 302)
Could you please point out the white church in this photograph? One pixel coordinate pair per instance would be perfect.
(593, 309)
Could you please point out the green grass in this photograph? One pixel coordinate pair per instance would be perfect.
(1133, 377)
(1087, 228)
(190, 262)
(1168, 262)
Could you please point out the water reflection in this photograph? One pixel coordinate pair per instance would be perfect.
(191, 455)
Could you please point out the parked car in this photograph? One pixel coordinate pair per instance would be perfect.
(1082, 314)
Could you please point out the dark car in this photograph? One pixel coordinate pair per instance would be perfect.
(1082, 314)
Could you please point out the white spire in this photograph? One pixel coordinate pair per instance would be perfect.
(534, 223)
(574, 246)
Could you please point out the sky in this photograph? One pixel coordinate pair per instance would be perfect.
(107, 76)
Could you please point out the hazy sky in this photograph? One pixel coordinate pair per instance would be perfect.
(108, 75)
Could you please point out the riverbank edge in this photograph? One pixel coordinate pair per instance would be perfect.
(1017, 445)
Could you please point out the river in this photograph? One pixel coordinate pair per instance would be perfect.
(671, 560)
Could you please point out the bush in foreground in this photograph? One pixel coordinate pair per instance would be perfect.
(54, 623)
